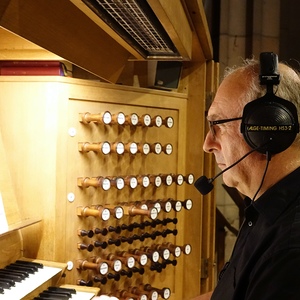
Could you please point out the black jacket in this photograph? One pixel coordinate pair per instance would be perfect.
(265, 263)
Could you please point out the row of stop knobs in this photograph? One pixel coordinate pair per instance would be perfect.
(126, 239)
(140, 292)
(117, 241)
(107, 118)
(129, 258)
(150, 208)
(122, 148)
(133, 181)
(129, 227)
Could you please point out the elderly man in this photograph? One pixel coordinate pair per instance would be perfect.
(265, 262)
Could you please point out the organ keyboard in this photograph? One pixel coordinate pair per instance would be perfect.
(64, 293)
(24, 279)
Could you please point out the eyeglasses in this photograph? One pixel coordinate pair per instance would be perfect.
(212, 123)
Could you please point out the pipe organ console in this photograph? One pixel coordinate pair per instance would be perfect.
(105, 176)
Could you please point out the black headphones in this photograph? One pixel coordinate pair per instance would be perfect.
(269, 124)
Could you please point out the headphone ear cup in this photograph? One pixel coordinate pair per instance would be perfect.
(270, 124)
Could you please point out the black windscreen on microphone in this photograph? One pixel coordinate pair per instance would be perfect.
(204, 185)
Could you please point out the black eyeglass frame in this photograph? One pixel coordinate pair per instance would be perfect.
(216, 122)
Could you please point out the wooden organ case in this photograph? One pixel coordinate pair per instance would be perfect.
(97, 178)
(47, 128)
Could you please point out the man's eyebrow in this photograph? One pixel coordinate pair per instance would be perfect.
(213, 117)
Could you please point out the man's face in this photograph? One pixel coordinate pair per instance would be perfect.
(227, 143)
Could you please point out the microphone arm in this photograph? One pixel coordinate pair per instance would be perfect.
(205, 185)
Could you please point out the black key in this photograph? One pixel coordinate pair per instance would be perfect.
(30, 263)
(14, 272)
(1, 290)
(44, 298)
(27, 267)
(63, 293)
(19, 268)
(55, 295)
(9, 281)
(5, 285)
(60, 289)
(15, 278)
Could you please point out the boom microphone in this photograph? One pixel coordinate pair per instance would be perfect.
(205, 185)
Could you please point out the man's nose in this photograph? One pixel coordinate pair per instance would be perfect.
(210, 144)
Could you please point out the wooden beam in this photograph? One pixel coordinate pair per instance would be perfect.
(198, 19)
(175, 22)
(13, 47)
(95, 18)
(60, 27)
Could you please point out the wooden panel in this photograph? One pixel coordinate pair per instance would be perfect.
(31, 132)
(194, 161)
(209, 205)
(8, 196)
(10, 250)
